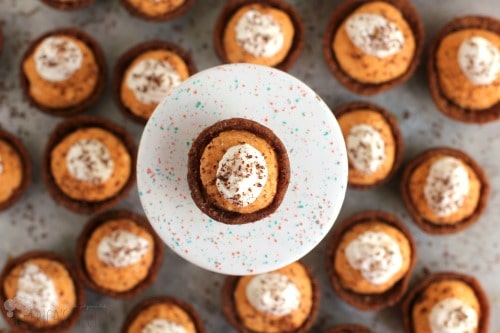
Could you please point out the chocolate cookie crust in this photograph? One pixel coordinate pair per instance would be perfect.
(443, 229)
(369, 302)
(340, 13)
(68, 6)
(349, 328)
(159, 18)
(444, 104)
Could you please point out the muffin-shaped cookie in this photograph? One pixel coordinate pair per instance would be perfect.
(163, 314)
(263, 32)
(119, 254)
(370, 259)
(284, 301)
(68, 4)
(40, 293)
(350, 328)
(372, 46)
(157, 10)
(238, 171)
(446, 302)
(145, 74)
(89, 164)
(15, 169)
(374, 143)
(444, 190)
(464, 69)
(63, 72)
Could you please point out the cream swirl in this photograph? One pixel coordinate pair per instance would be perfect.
(374, 35)
(163, 326)
(479, 60)
(452, 315)
(241, 174)
(89, 160)
(152, 79)
(366, 148)
(446, 186)
(259, 34)
(121, 249)
(57, 58)
(376, 255)
(273, 293)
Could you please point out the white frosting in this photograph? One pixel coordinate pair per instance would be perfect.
(479, 60)
(36, 292)
(89, 160)
(57, 59)
(366, 148)
(446, 186)
(163, 326)
(375, 35)
(242, 174)
(376, 255)
(273, 293)
(121, 249)
(259, 34)
(151, 80)
(452, 315)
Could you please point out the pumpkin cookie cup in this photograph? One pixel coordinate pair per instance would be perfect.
(445, 104)
(63, 130)
(416, 294)
(397, 137)
(98, 90)
(100, 220)
(63, 326)
(143, 306)
(349, 328)
(158, 17)
(230, 9)
(450, 228)
(68, 5)
(339, 15)
(26, 168)
(374, 301)
(128, 58)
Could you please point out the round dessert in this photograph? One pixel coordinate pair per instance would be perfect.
(446, 302)
(40, 293)
(157, 10)
(63, 72)
(374, 143)
(444, 190)
(15, 169)
(350, 328)
(68, 4)
(89, 164)
(238, 171)
(145, 74)
(372, 46)
(163, 314)
(119, 254)
(464, 69)
(263, 32)
(285, 300)
(370, 259)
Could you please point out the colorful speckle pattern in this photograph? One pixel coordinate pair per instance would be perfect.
(316, 150)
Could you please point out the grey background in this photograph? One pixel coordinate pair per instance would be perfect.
(37, 223)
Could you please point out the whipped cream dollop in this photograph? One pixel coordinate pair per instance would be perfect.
(57, 59)
(163, 326)
(452, 315)
(479, 60)
(36, 293)
(152, 79)
(122, 248)
(241, 174)
(376, 255)
(366, 148)
(446, 186)
(259, 34)
(375, 35)
(88, 160)
(273, 293)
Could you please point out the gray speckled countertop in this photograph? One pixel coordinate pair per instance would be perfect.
(37, 223)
